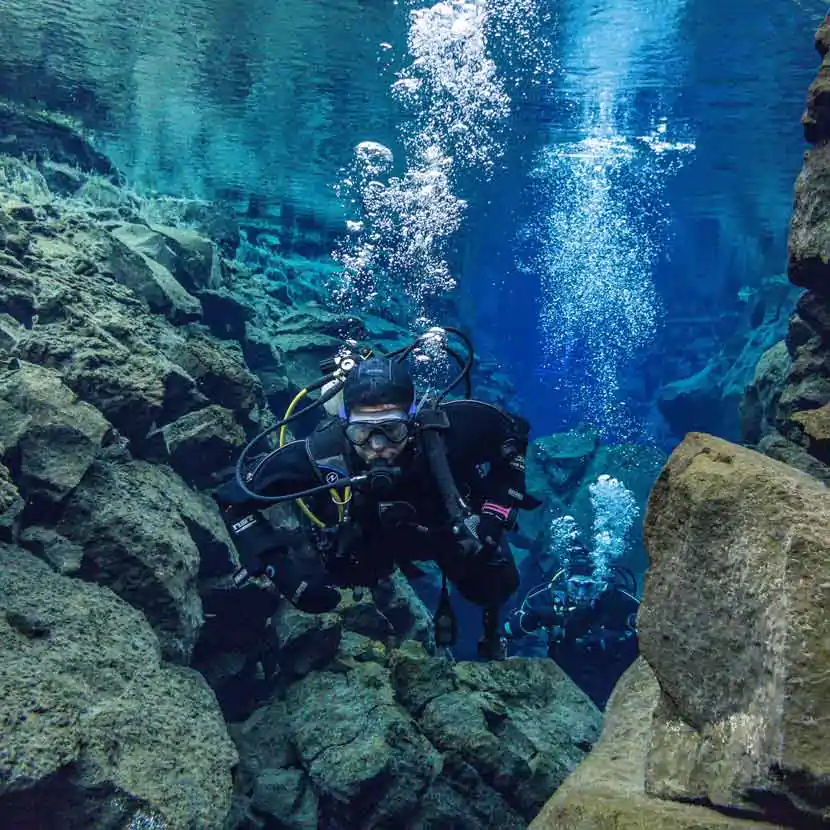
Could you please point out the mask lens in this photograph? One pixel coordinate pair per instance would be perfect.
(359, 434)
(582, 588)
(395, 431)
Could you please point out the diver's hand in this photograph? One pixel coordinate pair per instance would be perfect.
(486, 528)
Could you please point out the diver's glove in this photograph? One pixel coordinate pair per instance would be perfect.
(489, 525)
(305, 586)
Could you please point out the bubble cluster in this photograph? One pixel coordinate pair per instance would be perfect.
(563, 534)
(615, 509)
(452, 87)
(398, 241)
(597, 241)
(455, 105)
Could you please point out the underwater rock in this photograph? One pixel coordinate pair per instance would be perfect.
(286, 795)
(363, 617)
(213, 220)
(816, 119)
(564, 458)
(149, 279)
(49, 138)
(608, 788)
(106, 362)
(23, 184)
(203, 444)
(11, 333)
(52, 437)
(423, 743)
(61, 178)
(103, 194)
(196, 258)
(263, 744)
(143, 240)
(781, 449)
(399, 603)
(734, 624)
(11, 505)
(60, 553)
(266, 361)
(267, 778)
(808, 262)
(522, 725)
(806, 385)
(97, 334)
(225, 314)
(357, 648)
(366, 758)
(710, 400)
(96, 730)
(758, 409)
(306, 641)
(815, 432)
(130, 520)
(220, 372)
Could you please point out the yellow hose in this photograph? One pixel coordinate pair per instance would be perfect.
(334, 497)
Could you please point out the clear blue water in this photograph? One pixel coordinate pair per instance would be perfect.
(601, 192)
(694, 225)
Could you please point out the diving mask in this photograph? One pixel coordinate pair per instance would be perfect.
(393, 425)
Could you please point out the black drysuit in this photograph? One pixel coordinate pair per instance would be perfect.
(408, 522)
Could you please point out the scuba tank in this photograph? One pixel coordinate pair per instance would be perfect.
(446, 624)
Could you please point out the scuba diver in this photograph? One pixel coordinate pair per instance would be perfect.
(588, 620)
(385, 482)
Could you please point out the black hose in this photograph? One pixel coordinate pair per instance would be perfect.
(243, 456)
(468, 384)
(630, 579)
(465, 370)
(464, 375)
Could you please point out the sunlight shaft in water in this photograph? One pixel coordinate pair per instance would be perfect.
(597, 234)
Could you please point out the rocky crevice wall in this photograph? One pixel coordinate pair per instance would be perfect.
(786, 409)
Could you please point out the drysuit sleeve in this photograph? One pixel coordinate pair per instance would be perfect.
(283, 472)
(486, 435)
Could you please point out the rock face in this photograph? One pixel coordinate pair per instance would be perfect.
(96, 731)
(709, 400)
(143, 534)
(608, 789)
(784, 410)
(53, 436)
(729, 706)
(744, 719)
(407, 740)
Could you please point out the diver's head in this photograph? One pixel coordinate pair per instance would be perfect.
(378, 404)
